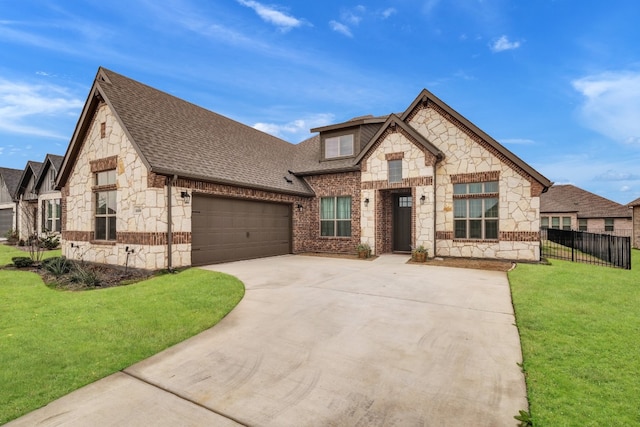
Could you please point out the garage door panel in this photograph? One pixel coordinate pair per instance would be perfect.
(234, 229)
(6, 221)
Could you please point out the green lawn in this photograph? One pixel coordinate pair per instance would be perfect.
(580, 332)
(53, 342)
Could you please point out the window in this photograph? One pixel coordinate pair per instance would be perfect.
(105, 205)
(555, 222)
(395, 170)
(566, 223)
(338, 146)
(475, 210)
(608, 224)
(582, 224)
(52, 215)
(544, 222)
(335, 216)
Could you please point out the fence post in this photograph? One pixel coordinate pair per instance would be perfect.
(573, 246)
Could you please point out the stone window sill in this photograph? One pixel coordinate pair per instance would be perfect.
(476, 240)
(103, 242)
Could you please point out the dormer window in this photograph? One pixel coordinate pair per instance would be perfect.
(338, 146)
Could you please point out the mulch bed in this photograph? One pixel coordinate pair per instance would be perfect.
(478, 264)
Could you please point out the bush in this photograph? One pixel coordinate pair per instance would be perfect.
(21, 242)
(57, 265)
(22, 261)
(12, 237)
(85, 276)
(50, 241)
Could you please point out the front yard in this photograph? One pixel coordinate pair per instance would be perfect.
(579, 327)
(53, 342)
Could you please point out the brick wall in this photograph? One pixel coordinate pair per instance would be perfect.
(341, 184)
(636, 227)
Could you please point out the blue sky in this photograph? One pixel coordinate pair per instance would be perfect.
(556, 82)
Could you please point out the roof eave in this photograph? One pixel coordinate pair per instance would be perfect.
(172, 173)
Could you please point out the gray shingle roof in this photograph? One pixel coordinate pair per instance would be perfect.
(569, 198)
(11, 178)
(31, 169)
(306, 159)
(177, 137)
(52, 159)
(636, 202)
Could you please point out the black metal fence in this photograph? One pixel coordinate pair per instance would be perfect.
(589, 248)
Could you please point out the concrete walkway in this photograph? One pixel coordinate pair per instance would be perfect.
(328, 342)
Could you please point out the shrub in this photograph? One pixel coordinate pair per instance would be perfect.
(22, 261)
(50, 241)
(21, 242)
(12, 237)
(85, 276)
(57, 265)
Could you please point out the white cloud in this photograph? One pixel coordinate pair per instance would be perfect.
(625, 189)
(295, 130)
(24, 103)
(612, 175)
(612, 104)
(388, 12)
(341, 28)
(353, 16)
(272, 15)
(502, 43)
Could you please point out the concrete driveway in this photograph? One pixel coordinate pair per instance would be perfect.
(328, 342)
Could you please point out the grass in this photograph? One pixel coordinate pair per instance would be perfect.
(8, 252)
(579, 328)
(54, 342)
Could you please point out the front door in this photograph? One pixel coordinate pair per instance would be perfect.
(402, 205)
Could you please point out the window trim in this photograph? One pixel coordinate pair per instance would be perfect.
(52, 213)
(340, 155)
(106, 189)
(609, 224)
(470, 191)
(389, 174)
(335, 220)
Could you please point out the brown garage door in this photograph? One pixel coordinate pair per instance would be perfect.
(232, 229)
(6, 221)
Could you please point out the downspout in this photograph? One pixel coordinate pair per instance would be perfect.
(170, 181)
(435, 206)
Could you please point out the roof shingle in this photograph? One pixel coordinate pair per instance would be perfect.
(569, 198)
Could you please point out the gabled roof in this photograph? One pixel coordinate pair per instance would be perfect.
(636, 202)
(175, 137)
(426, 97)
(11, 179)
(569, 198)
(31, 169)
(394, 120)
(51, 160)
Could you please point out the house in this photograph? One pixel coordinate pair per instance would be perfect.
(568, 207)
(49, 214)
(157, 182)
(26, 198)
(635, 214)
(8, 184)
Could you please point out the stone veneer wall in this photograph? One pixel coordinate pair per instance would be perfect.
(417, 179)
(340, 184)
(142, 204)
(468, 157)
(141, 209)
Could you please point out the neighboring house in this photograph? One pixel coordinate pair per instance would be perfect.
(8, 183)
(49, 215)
(635, 214)
(568, 207)
(26, 197)
(157, 182)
